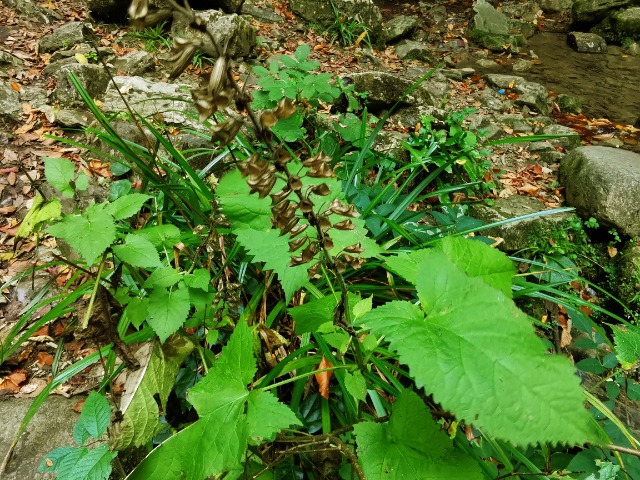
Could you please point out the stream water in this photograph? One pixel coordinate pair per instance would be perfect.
(607, 84)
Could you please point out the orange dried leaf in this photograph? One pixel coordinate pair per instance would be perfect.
(18, 376)
(613, 251)
(44, 358)
(7, 384)
(323, 377)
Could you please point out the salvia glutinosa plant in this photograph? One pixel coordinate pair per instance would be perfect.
(296, 201)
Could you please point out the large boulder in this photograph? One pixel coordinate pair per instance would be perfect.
(398, 28)
(149, 98)
(590, 12)
(533, 95)
(604, 183)
(10, 108)
(621, 26)
(516, 235)
(92, 77)
(627, 281)
(385, 89)
(493, 29)
(68, 35)
(321, 12)
(232, 30)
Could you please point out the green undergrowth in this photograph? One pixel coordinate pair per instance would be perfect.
(298, 317)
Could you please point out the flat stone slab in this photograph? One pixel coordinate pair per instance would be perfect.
(50, 428)
(604, 182)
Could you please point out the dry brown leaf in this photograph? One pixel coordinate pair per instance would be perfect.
(612, 251)
(44, 358)
(7, 384)
(323, 377)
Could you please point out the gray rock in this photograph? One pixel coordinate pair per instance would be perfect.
(92, 77)
(521, 65)
(31, 9)
(489, 20)
(604, 183)
(36, 97)
(626, 23)
(261, 13)
(321, 12)
(10, 107)
(66, 36)
(590, 12)
(545, 151)
(586, 42)
(384, 90)
(73, 118)
(8, 60)
(516, 235)
(231, 30)
(231, 6)
(530, 94)
(556, 6)
(135, 63)
(410, 50)
(149, 98)
(398, 27)
(106, 53)
(51, 427)
(569, 140)
(627, 281)
(569, 104)
(493, 102)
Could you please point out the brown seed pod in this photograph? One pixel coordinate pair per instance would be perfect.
(344, 225)
(268, 119)
(218, 76)
(298, 229)
(285, 108)
(321, 190)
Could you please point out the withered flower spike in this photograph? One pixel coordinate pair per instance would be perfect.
(281, 156)
(280, 196)
(340, 266)
(204, 103)
(344, 225)
(138, 9)
(295, 261)
(268, 119)
(287, 228)
(298, 229)
(313, 270)
(225, 131)
(357, 248)
(295, 183)
(309, 252)
(327, 243)
(285, 108)
(324, 223)
(218, 77)
(182, 54)
(297, 243)
(306, 205)
(321, 190)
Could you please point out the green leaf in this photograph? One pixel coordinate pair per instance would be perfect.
(168, 310)
(290, 129)
(310, 316)
(163, 277)
(127, 206)
(273, 249)
(411, 446)
(137, 251)
(472, 257)
(60, 172)
(94, 419)
(141, 414)
(223, 431)
(39, 212)
(627, 344)
(89, 234)
(137, 311)
(478, 355)
(200, 278)
(302, 52)
(80, 463)
(82, 182)
(356, 385)
(161, 235)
